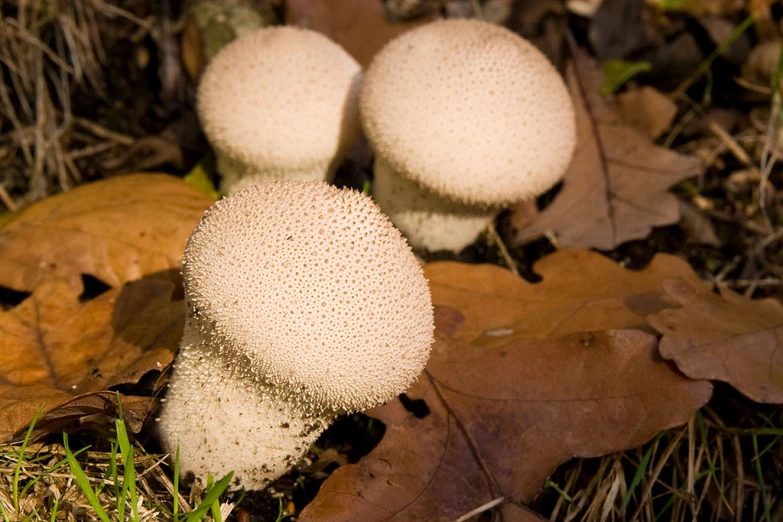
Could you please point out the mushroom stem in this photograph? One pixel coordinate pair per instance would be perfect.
(237, 174)
(246, 428)
(428, 220)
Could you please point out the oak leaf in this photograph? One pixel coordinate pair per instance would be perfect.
(65, 354)
(579, 291)
(494, 422)
(116, 230)
(616, 188)
(724, 337)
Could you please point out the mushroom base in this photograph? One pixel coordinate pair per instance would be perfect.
(223, 420)
(425, 218)
(237, 174)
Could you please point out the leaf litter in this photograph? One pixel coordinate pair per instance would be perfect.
(499, 420)
(501, 340)
(116, 230)
(67, 355)
(616, 188)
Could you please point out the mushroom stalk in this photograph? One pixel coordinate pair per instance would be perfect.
(237, 174)
(248, 428)
(426, 219)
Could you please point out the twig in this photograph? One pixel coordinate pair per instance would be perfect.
(91, 150)
(7, 200)
(485, 507)
(732, 145)
(103, 132)
(493, 233)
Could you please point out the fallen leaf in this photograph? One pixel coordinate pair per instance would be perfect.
(648, 110)
(697, 227)
(116, 230)
(762, 63)
(724, 337)
(616, 188)
(499, 420)
(359, 27)
(579, 291)
(65, 354)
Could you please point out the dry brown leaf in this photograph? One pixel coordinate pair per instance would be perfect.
(648, 110)
(66, 354)
(616, 188)
(360, 27)
(501, 418)
(724, 337)
(580, 291)
(116, 230)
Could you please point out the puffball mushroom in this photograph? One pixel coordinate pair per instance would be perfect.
(465, 117)
(279, 103)
(304, 303)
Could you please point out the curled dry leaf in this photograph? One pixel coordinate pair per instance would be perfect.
(616, 188)
(66, 354)
(579, 291)
(116, 230)
(499, 419)
(724, 337)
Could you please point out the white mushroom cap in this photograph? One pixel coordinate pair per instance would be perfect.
(317, 288)
(279, 100)
(470, 111)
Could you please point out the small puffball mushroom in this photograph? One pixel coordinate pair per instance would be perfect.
(465, 117)
(279, 103)
(304, 303)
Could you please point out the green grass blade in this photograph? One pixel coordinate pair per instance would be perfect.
(22, 449)
(211, 496)
(119, 491)
(760, 478)
(129, 482)
(637, 477)
(83, 481)
(54, 510)
(215, 508)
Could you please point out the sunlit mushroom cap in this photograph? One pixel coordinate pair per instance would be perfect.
(316, 287)
(470, 111)
(281, 96)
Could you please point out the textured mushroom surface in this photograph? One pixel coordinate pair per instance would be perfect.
(470, 111)
(427, 219)
(307, 298)
(280, 100)
(223, 421)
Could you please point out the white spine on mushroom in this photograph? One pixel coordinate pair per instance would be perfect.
(304, 303)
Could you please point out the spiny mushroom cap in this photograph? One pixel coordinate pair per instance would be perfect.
(281, 96)
(470, 111)
(317, 288)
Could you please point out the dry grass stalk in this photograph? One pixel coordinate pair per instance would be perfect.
(57, 491)
(47, 49)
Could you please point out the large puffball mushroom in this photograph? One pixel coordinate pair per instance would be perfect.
(304, 303)
(279, 103)
(465, 117)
